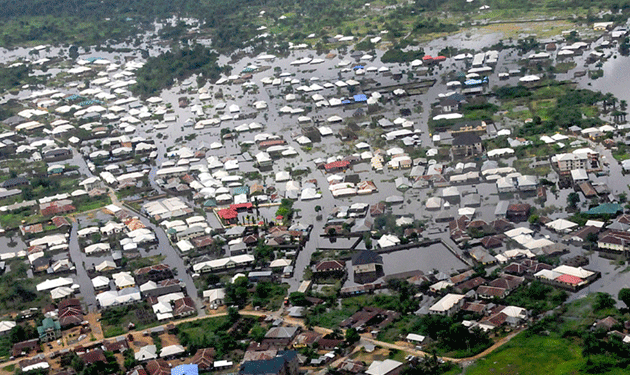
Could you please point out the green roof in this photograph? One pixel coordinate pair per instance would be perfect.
(605, 209)
(48, 323)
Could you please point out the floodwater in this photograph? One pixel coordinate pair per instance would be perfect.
(425, 259)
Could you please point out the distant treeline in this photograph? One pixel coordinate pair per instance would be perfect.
(233, 23)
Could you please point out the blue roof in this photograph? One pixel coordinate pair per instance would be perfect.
(472, 82)
(346, 102)
(185, 370)
(357, 67)
(240, 190)
(89, 102)
(360, 98)
(92, 59)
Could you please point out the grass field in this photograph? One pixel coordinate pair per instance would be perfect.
(550, 354)
(532, 355)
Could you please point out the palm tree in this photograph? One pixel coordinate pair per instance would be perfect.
(623, 105)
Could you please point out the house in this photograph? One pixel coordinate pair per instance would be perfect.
(93, 356)
(370, 317)
(138, 370)
(614, 240)
(190, 369)
(57, 154)
(465, 145)
(447, 305)
(156, 273)
(282, 335)
(306, 339)
(70, 312)
(14, 182)
(153, 289)
(385, 367)
(117, 345)
(367, 266)
(50, 330)
(184, 307)
(489, 292)
(470, 284)
(285, 363)
(158, 367)
(216, 297)
(172, 351)
(518, 212)
(26, 347)
(326, 268)
(204, 359)
(6, 326)
(146, 353)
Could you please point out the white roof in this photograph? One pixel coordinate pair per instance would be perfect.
(172, 350)
(561, 225)
(537, 244)
(515, 312)
(415, 337)
(100, 281)
(447, 302)
(594, 223)
(146, 353)
(383, 367)
(280, 263)
(518, 231)
(214, 294)
(573, 271)
(6, 325)
(54, 283)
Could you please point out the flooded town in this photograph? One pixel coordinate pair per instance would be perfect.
(320, 210)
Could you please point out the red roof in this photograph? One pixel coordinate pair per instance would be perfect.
(569, 279)
(239, 206)
(227, 214)
(337, 164)
(427, 58)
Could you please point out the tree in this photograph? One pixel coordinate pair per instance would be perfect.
(572, 200)
(352, 336)
(233, 315)
(257, 333)
(624, 296)
(236, 292)
(298, 299)
(603, 301)
(592, 238)
(534, 219)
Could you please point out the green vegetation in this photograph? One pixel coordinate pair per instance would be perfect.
(115, 320)
(16, 77)
(17, 292)
(160, 72)
(286, 210)
(536, 297)
(269, 295)
(222, 333)
(396, 55)
(557, 105)
(563, 344)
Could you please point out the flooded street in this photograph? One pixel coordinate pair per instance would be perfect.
(232, 104)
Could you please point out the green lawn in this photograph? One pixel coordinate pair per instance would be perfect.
(532, 355)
